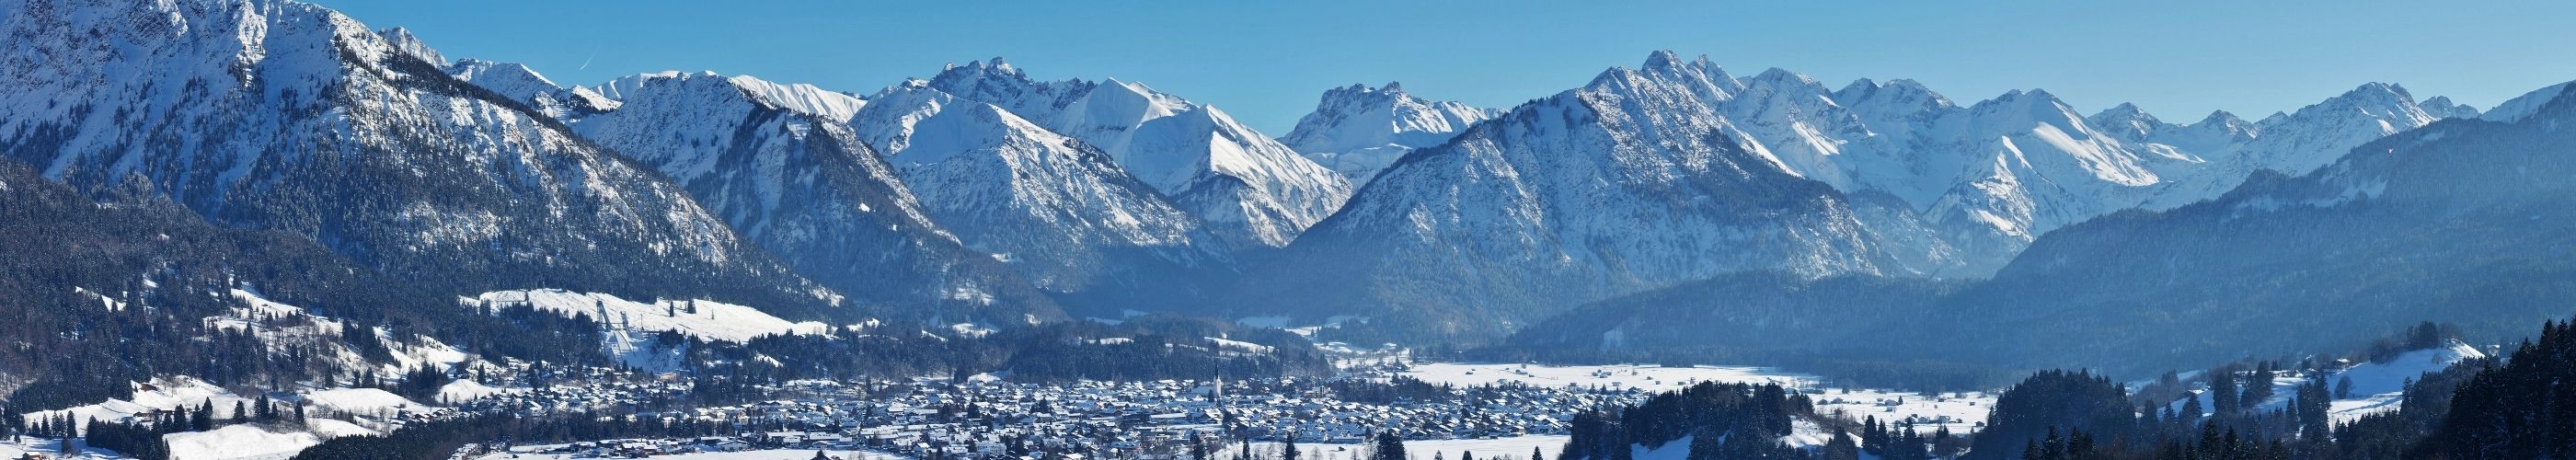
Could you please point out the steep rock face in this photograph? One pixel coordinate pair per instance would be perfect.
(1249, 189)
(1358, 130)
(288, 116)
(779, 164)
(1057, 209)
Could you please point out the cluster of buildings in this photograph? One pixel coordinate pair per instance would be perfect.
(1000, 419)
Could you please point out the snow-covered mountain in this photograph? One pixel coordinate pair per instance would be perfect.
(1631, 182)
(2460, 221)
(781, 165)
(1249, 189)
(289, 116)
(1677, 170)
(1358, 130)
(1057, 208)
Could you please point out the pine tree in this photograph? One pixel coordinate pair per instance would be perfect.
(1390, 446)
(2223, 396)
(1838, 448)
(2258, 387)
(204, 418)
(2191, 412)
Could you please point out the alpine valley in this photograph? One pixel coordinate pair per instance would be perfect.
(258, 205)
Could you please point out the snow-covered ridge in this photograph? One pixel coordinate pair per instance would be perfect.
(1357, 130)
(1249, 188)
(1057, 208)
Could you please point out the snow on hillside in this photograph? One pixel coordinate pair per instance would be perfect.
(703, 319)
(361, 401)
(634, 324)
(32, 447)
(239, 442)
(160, 394)
(2376, 386)
(468, 390)
(363, 408)
(291, 326)
(1677, 449)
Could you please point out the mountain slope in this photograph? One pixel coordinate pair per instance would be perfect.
(1358, 130)
(1629, 183)
(1678, 170)
(779, 163)
(1248, 188)
(104, 293)
(2460, 221)
(1057, 209)
(288, 116)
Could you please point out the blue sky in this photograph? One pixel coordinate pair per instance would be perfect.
(1267, 61)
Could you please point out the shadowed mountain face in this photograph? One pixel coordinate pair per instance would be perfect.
(2461, 221)
(291, 117)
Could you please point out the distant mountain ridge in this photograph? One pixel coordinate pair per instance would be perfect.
(1358, 130)
(2461, 221)
(981, 195)
(1677, 170)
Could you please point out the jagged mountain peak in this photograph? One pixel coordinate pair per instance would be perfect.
(298, 119)
(803, 98)
(1357, 130)
(1252, 190)
(2128, 122)
(1776, 76)
(403, 40)
(2443, 107)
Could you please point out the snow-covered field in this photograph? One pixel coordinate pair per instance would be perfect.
(239, 442)
(524, 453)
(632, 342)
(1516, 446)
(1960, 410)
(361, 401)
(711, 320)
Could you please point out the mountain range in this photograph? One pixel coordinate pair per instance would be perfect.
(983, 197)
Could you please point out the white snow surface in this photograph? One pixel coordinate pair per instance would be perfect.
(361, 401)
(1514, 446)
(1358, 130)
(767, 454)
(469, 390)
(714, 321)
(160, 394)
(2376, 387)
(1056, 207)
(239, 442)
(1248, 187)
